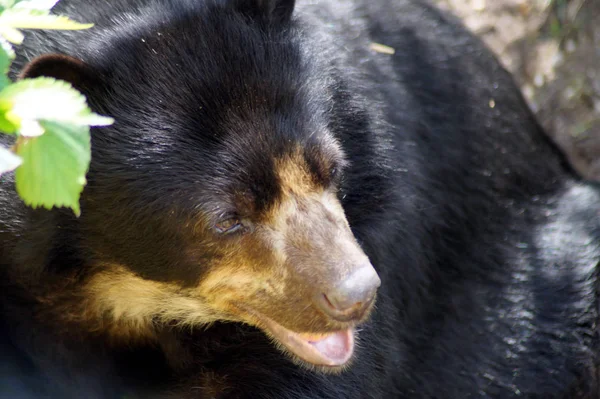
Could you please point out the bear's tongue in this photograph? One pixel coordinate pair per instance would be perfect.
(337, 346)
(333, 349)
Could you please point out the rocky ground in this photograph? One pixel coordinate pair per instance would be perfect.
(553, 49)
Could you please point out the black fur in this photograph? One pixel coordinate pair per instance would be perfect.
(486, 242)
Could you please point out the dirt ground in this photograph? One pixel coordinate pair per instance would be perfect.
(553, 49)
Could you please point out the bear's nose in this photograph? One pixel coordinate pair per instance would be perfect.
(349, 299)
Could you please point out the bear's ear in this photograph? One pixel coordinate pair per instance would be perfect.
(62, 67)
(273, 10)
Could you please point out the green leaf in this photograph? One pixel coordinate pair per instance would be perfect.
(28, 101)
(6, 126)
(8, 160)
(7, 55)
(53, 121)
(33, 19)
(54, 166)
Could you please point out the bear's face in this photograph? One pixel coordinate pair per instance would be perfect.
(214, 195)
(285, 261)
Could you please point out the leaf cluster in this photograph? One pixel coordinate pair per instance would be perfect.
(50, 119)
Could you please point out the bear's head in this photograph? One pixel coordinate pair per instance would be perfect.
(214, 197)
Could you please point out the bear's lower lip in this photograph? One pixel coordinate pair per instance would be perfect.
(331, 349)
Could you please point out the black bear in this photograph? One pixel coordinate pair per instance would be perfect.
(283, 210)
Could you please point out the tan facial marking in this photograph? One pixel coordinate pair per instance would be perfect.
(129, 307)
(130, 304)
(294, 176)
(235, 280)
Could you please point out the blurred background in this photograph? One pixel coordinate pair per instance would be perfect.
(552, 47)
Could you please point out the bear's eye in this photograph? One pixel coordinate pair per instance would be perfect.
(335, 176)
(333, 172)
(228, 226)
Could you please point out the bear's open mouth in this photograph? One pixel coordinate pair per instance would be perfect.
(331, 349)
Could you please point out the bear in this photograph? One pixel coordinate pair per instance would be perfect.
(282, 209)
